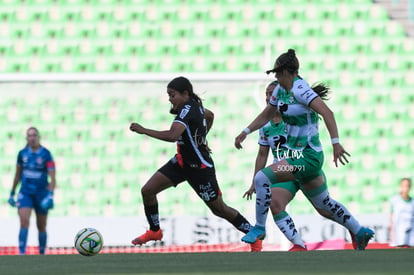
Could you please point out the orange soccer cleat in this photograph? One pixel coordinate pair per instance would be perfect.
(149, 235)
(297, 247)
(256, 246)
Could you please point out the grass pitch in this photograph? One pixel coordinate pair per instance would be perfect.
(387, 261)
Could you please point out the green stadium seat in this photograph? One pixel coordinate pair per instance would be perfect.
(394, 29)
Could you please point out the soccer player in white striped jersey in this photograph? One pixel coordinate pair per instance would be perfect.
(272, 137)
(300, 107)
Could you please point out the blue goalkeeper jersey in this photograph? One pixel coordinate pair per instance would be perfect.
(35, 167)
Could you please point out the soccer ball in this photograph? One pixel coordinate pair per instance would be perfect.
(88, 241)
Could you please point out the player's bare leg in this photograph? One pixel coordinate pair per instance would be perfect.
(280, 198)
(277, 172)
(337, 212)
(156, 184)
(24, 216)
(41, 220)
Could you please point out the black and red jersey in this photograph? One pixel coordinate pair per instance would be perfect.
(192, 144)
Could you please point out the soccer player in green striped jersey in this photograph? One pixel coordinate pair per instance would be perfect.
(300, 107)
(272, 137)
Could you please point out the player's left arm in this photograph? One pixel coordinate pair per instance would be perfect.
(51, 171)
(321, 108)
(47, 202)
(171, 135)
(52, 176)
(209, 115)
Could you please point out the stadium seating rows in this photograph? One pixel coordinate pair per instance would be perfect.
(97, 156)
(114, 36)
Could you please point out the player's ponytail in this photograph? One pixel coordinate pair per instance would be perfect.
(197, 98)
(322, 90)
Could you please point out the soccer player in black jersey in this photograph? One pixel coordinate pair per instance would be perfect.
(191, 163)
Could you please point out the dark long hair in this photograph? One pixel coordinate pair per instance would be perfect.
(181, 84)
(322, 90)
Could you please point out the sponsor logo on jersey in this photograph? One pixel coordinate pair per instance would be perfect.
(185, 111)
(307, 93)
(32, 174)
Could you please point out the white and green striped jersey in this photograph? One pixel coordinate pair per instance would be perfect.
(300, 120)
(403, 220)
(274, 136)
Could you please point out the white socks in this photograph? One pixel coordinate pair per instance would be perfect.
(339, 212)
(287, 227)
(263, 197)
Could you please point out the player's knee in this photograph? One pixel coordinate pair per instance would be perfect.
(260, 178)
(144, 191)
(41, 227)
(24, 222)
(147, 191)
(280, 199)
(277, 207)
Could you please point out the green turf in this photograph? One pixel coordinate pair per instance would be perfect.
(392, 261)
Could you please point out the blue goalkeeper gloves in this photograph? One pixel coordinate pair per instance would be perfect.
(47, 202)
(11, 200)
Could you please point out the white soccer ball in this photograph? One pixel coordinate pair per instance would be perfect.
(88, 241)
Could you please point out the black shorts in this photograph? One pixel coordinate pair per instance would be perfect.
(203, 180)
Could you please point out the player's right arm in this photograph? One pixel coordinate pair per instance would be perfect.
(16, 181)
(170, 135)
(17, 176)
(267, 114)
(209, 115)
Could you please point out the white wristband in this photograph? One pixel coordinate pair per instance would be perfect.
(247, 131)
(334, 140)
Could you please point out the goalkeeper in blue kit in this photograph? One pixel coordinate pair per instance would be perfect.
(34, 165)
